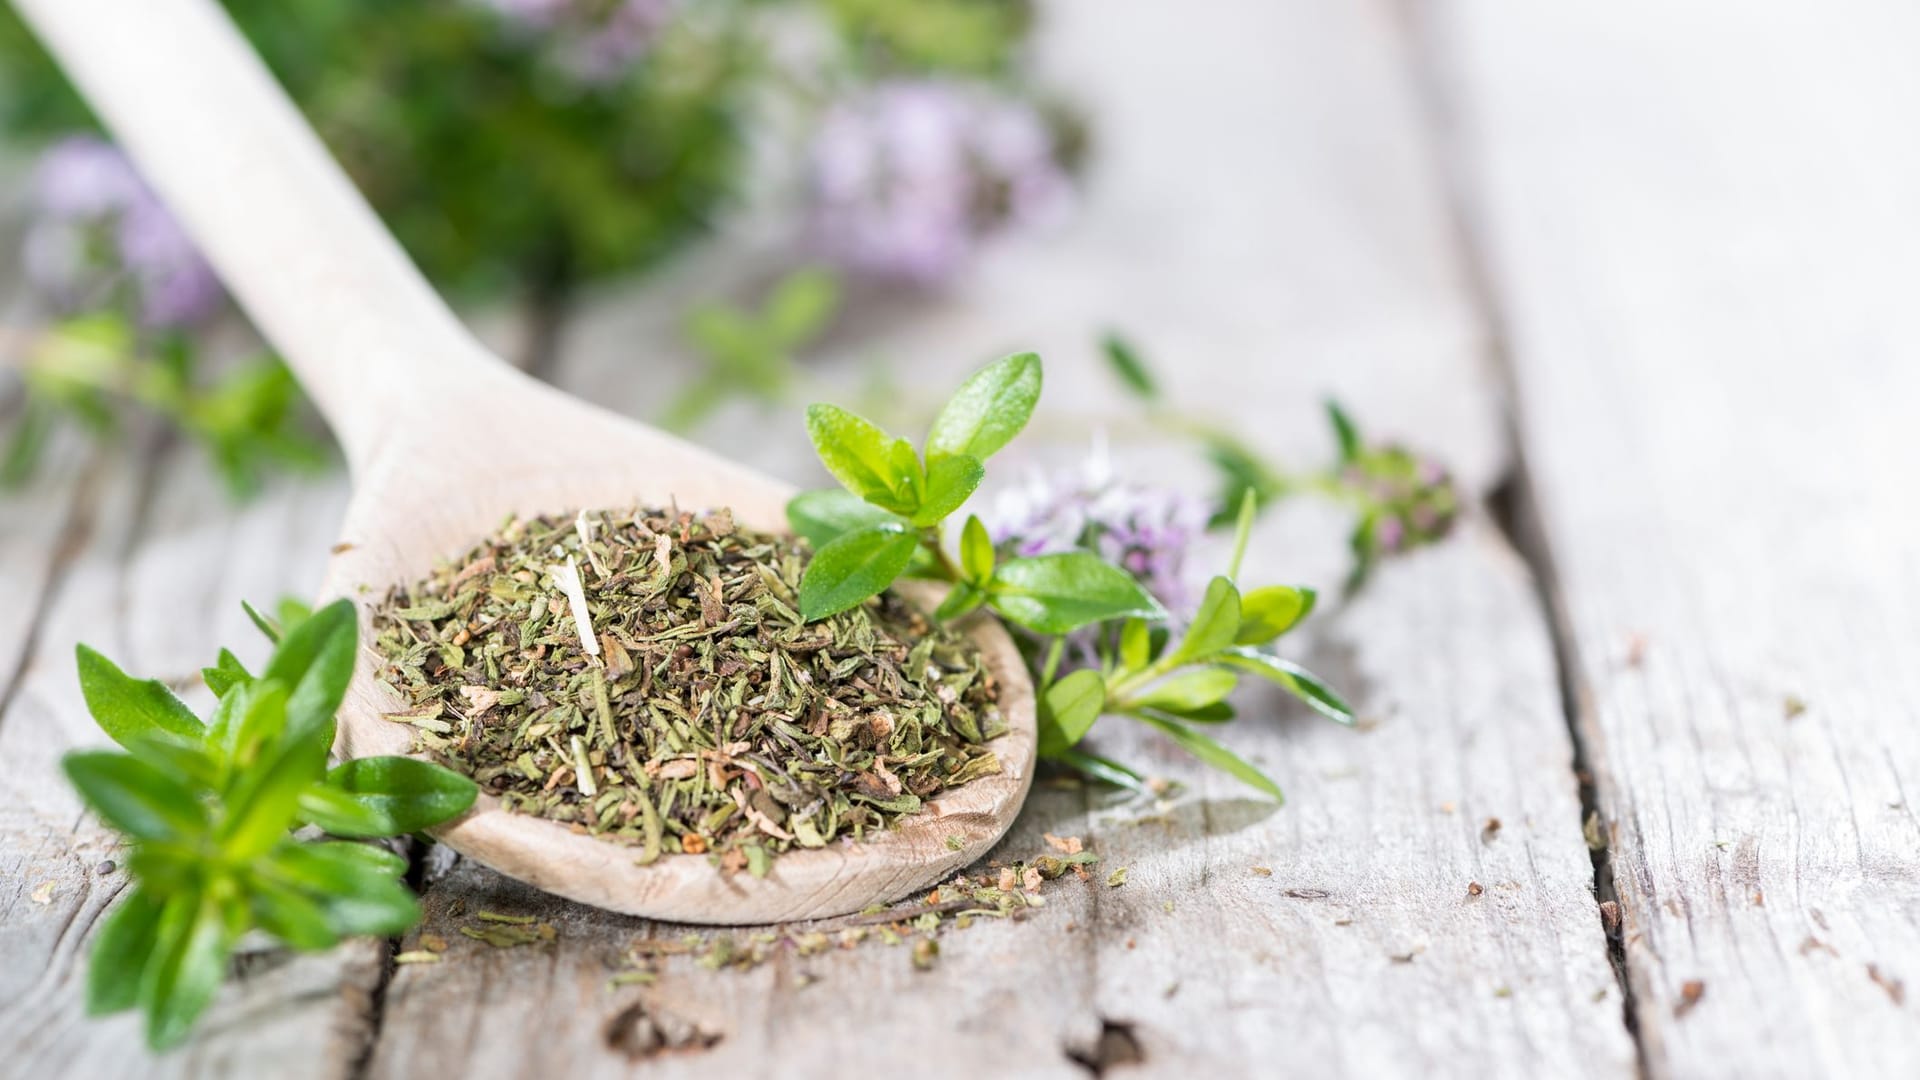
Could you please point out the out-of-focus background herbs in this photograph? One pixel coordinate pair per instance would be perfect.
(523, 149)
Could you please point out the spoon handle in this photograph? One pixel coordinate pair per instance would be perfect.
(219, 140)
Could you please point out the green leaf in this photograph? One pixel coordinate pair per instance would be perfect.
(1218, 712)
(1212, 753)
(959, 600)
(265, 625)
(1126, 363)
(1272, 610)
(1099, 768)
(976, 551)
(128, 709)
(292, 916)
(1188, 691)
(854, 567)
(1060, 593)
(225, 674)
(872, 464)
(1344, 432)
(801, 306)
(359, 885)
(824, 515)
(265, 796)
(187, 967)
(1068, 709)
(988, 410)
(316, 659)
(1136, 645)
(402, 794)
(1297, 680)
(121, 947)
(141, 800)
(1213, 625)
(950, 481)
(338, 812)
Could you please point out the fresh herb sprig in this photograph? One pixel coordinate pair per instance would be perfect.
(1400, 499)
(750, 354)
(93, 368)
(209, 810)
(891, 521)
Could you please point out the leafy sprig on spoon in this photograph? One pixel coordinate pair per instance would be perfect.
(891, 521)
(211, 809)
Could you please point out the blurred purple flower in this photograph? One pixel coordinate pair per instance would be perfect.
(96, 221)
(594, 41)
(1147, 531)
(907, 177)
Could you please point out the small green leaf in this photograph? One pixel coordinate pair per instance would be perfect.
(1212, 753)
(265, 625)
(187, 966)
(292, 916)
(959, 600)
(1136, 645)
(225, 674)
(338, 812)
(358, 884)
(1272, 610)
(872, 464)
(1213, 626)
(823, 516)
(316, 659)
(854, 567)
(1060, 593)
(1099, 768)
(265, 796)
(801, 306)
(1126, 363)
(1344, 432)
(141, 800)
(1188, 691)
(976, 551)
(129, 709)
(1068, 709)
(405, 794)
(950, 481)
(988, 410)
(1297, 680)
(120, 950)
(1218, 712)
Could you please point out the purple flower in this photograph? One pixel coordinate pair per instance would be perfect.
(594, 41)
(906, 178)
(97, 226)
(1147, 531)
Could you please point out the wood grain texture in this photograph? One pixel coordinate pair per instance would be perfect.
(1703, 233)
(159, 562)
(1290, 258)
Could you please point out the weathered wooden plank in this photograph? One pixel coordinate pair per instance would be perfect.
(160, 561)
(1702, 231)
(1265, 217)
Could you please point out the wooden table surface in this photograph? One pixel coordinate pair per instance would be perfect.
(1642, 271)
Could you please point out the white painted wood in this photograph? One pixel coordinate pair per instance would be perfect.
(444, 442)
(1702, 227)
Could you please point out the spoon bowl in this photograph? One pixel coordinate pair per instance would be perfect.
(444, 441)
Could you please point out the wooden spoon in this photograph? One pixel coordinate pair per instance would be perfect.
(444, 441)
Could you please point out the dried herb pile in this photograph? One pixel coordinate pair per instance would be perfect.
(646, 676)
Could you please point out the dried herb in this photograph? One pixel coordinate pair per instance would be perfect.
(646, 676)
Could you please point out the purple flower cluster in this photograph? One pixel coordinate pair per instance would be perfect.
(905, 178)
(1412, 498)
(594, 41)
(97, 224)
(1148, 531)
